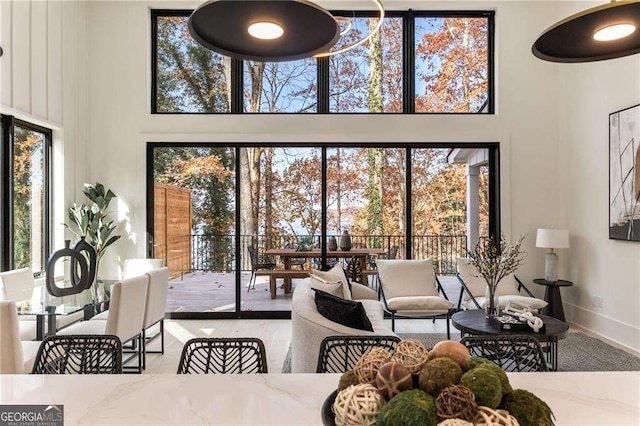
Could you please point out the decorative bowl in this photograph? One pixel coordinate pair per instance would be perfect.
(328, 419)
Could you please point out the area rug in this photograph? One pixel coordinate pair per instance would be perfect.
(578, 352)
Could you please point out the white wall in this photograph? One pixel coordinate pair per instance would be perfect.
(588, 93)
(43, 81)
(119, 82)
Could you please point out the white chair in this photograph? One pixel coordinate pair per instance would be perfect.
(125, 318)
(410, 288)
(16, 356)
(474, 287)
(155, 308)
(18, 285)
(136, 267)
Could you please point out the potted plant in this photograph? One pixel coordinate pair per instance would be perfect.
(494, 262)
(92, 222)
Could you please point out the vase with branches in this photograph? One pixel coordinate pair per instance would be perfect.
(91, 221)
(494, 262)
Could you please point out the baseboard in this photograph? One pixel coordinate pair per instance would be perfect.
(612, 331)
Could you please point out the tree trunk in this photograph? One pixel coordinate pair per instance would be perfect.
(256, 71)
(375, 70)
(339, 191)
(227, 77)
(268, 197)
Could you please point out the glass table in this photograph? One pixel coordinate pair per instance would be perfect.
(47, 308)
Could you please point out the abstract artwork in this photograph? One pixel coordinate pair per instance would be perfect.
(624, 174)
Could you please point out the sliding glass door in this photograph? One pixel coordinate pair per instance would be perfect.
(239, 225)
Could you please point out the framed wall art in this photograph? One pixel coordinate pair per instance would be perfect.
(624, 174)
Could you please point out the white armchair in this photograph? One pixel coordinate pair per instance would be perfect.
(410, 288)
(474, 286)
(155, 308)
(139, 266)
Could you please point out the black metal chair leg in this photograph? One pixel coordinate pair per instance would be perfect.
(393, 322)
(448, 328)
(162, 336)
(144, 350)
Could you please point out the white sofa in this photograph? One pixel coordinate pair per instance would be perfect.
(309, 327)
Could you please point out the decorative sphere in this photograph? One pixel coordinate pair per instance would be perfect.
(476, 361)
(438, 374)
(527, 408)
(412, 407)
(357, 405)
(485, 385)
(347, 379)
(368, 365)
(457, 402)
(489, 417)
(412, 354)
(454, 350)
(504, 380)
(393, 378)
(455, 422)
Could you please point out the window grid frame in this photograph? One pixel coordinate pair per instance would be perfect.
(408, 57)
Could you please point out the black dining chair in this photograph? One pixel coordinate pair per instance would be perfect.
(79, 354)
(257, 262)
(220, 355)
(339, 354)
(511, 353)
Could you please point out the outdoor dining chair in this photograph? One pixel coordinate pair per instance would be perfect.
(257, 263)
(339, 354)
(79, 354)
(511, 353)
(223, 355)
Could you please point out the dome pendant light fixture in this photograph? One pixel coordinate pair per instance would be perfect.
(270, 30)
(604, 32)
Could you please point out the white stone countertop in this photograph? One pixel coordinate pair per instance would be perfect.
(601, 398)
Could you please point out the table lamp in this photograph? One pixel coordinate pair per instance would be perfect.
(552, 239)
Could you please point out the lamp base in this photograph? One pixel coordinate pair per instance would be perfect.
(551, 267)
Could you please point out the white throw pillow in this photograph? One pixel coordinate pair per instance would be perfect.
(401, 278)
(420, 303)
(335, 274)
(331, 287)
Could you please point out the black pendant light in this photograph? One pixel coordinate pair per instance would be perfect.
(266, 30)
(604, 32)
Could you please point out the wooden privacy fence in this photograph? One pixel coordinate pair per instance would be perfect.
(172, 227)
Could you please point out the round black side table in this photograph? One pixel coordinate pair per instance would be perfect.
(553, 298)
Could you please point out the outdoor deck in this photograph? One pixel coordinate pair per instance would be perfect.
(215, 292)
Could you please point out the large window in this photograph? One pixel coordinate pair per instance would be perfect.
(226, 216)
(25, 195)
(419, 62)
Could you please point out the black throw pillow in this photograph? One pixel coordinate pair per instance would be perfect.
(346, 312)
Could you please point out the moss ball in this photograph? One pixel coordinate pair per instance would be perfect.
(485, 385)
(438, 374)
(504, 380)
(477, 361)
(527, 408)
(412, 407)
(347, 379)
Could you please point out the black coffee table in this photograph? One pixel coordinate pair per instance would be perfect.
(473, 322)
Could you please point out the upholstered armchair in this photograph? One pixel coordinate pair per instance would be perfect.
(474, 287)
(410, 288)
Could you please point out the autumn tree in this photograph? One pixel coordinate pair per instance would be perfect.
(455, 71)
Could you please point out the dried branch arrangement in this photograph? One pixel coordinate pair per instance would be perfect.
(494, 262)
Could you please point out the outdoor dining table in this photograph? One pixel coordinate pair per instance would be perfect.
(361, 254)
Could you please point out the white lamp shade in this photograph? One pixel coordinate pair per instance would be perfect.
(552, 238)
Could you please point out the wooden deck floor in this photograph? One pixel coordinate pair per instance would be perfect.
(215, 292)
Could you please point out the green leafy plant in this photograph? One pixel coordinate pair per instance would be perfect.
(92, 220)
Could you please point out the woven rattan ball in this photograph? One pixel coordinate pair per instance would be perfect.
(457, 402)
(368, 365)
(489, 417)
(455, 422)
(412, 354)
(357, 405)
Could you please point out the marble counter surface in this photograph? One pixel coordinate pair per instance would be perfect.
(286, 399)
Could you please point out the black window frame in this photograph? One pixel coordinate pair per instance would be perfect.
(408, 95)
(494, 202)
(6, 190)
